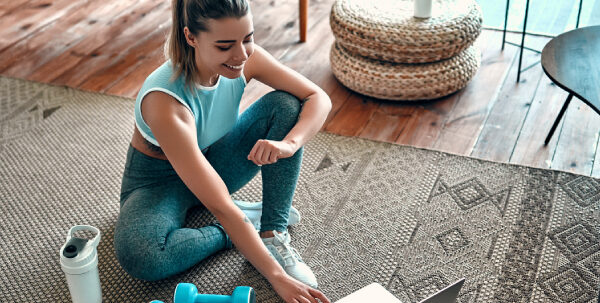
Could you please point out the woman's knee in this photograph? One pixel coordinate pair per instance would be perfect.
(283, 104)
(144, 266)
(139, 257)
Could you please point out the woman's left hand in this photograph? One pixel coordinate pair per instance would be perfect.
(269, 151)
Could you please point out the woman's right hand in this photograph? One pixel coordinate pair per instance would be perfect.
(293, 291)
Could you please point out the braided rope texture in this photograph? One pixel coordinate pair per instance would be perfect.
(386, 29)
(408, 82)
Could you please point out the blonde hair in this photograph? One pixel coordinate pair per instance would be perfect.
(195, 15)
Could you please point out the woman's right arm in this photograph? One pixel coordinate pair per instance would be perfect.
(174, 128)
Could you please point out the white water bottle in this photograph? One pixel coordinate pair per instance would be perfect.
(79, 261)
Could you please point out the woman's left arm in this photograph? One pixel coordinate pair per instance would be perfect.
(316, 103)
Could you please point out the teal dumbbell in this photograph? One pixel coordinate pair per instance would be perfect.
(188, 293)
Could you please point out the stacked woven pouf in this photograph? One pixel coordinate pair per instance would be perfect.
(382, 51)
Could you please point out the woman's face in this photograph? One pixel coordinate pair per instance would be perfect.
(225, 48)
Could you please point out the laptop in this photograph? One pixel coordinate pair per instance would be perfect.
(376, 293)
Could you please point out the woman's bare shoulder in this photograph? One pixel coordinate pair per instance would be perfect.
(159, 106)
(160, 111)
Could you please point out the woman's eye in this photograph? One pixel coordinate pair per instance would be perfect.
(225, 48)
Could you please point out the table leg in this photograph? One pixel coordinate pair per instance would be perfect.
(523, 41)
(562, 112)
(505, 24)
(579, 13)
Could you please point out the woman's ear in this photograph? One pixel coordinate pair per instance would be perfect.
(191, 39)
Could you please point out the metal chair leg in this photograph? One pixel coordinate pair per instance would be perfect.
(562, 112)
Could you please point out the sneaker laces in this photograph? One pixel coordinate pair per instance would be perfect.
(289, 254)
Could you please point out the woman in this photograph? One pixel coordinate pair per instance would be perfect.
(190, 148)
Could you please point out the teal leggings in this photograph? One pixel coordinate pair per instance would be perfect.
(150, 241)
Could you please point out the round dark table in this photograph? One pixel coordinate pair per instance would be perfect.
(572, 61)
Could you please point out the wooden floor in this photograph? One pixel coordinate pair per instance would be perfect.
(110, 46)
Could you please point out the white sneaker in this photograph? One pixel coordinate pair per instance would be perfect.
(289, 258)
(253, 211)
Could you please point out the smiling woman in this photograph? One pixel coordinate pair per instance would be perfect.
(226, 37)
(190, 148)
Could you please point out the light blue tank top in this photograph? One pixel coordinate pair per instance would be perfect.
(215, 109)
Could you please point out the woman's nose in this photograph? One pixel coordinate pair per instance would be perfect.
(240, 53)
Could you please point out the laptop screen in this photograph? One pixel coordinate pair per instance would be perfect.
(375, 292)
(446, 295)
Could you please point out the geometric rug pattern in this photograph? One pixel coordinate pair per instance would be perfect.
(411, 219)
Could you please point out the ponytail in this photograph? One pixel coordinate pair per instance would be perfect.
(195, 15)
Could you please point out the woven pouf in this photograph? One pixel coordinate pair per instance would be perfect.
(399, 81)
(386, 29)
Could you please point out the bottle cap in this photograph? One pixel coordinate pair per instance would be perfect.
(78, 255)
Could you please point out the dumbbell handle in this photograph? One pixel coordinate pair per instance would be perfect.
(188, 293)
(207, 299)
(203, 298)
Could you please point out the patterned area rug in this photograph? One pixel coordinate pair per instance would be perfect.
(413, 220)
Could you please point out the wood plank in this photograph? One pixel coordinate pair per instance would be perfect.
(42, 46)
(8, 7)
(529, 149)
(338, 97)
(145, 35)
(388, 122)
(84, 48)
(114, 71)
(123, 49)
(129, 84)
(353, 116)
(279, 33)
(576, 147)
(464, 123)
(428, 119)
(312, 57)
(25, 21)
(501, 129)
(326, 80)
(424, 125)
(320, 36)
